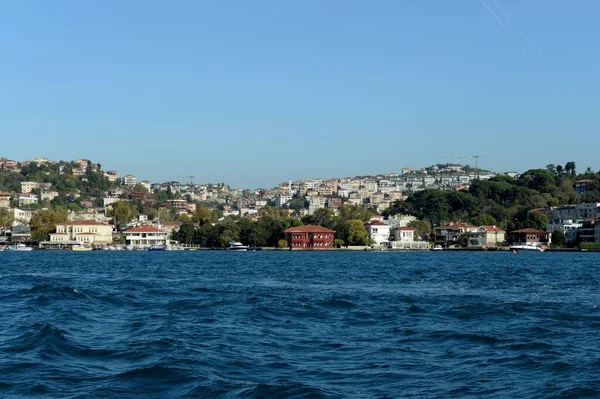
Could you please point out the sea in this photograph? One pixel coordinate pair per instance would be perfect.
(270, 324)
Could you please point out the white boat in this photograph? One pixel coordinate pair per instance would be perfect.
(526, 247)
(237, 246)
(437, 248)
(79, 246)
(19, 247)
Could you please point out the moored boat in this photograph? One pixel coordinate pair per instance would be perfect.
(19, 247)
(237, 246)
(526, 247)
(79, 246)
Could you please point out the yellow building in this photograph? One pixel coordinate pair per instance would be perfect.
(88, 231)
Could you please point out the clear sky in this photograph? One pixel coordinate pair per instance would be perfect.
(252, 93)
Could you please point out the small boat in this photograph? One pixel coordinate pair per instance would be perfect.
(526, 247)
(79, 246)
(19, 247)
(237, 246)
(156, 248)
(437, 248)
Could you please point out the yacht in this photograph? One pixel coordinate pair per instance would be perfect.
(237, 246)
(526, 247)
(19, 247)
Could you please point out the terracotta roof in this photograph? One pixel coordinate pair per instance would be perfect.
(529, 230)
(82, 223)
(584, 181)
(309, 228)
(85, 234)
(407, 228)
(493, 229)
(144, 229)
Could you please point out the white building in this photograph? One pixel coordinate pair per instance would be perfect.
(282, 199)
(379, 232)
(27, 199)
(22, 216)
(129, 180)
(575, 212)
(404, 238)
(146, 184)
(88, 231)
(371, 186)
(567, 226)
(29, 186)
(49, 195)
(145, 236)
(400, 220)
(486, 237)
(112, 175)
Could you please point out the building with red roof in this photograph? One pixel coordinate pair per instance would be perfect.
(309, 237)
(529, 236)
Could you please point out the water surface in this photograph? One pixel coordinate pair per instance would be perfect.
(299, 324)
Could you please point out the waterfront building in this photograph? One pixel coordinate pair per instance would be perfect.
(379, 232)
(309, 237)
(88, 231)
(449, 234)
(486, 237)
(529, 236)
(145, 236)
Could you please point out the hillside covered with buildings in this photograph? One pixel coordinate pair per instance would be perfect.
(58, 202)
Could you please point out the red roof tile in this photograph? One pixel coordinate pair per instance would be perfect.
(529, 230)
(493, 229)
(309, 228)
(406, 228)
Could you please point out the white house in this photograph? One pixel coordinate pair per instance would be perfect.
(486, 237)
(23, 216)
(379, 232)
(567, 226)
(404, 238)
(145, 236)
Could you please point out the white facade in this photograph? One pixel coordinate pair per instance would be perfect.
(379, 232)
(145, 236)
(49, 195)
(129, 180)
(486, 236)
(404, 234)
(282, 199)
(22, 216)
(26, 199)
(575, 212)
(88, 231)
(29, 186)
(400, 220)
(568, 227)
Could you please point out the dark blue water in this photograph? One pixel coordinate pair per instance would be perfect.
(302, 325)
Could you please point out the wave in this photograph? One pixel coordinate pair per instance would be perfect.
(284, 389)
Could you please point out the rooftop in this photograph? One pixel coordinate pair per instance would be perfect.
(309, 228)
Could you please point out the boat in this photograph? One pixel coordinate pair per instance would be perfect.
(79, 246)
(237, 246)
(156, 248)
(437, 248)
(19, 247)
(526, 247)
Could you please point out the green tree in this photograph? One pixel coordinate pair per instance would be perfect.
(422, 228)
(570, 169)
(203, 215)
(44, 222)
(338, 243)
(463, 240)
(122, 212)
(357, 234)
(483, 219)
(558, 239)
(282, 243)
(6, 219)
(356, 212)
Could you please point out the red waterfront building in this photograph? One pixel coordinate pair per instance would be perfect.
(309, 237)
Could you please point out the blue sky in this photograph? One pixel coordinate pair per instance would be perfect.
(255, 92)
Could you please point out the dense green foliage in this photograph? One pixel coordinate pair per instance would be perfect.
(504, 201)
(206, 230)
(44, 222)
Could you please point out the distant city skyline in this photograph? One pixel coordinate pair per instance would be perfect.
(256, 93)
